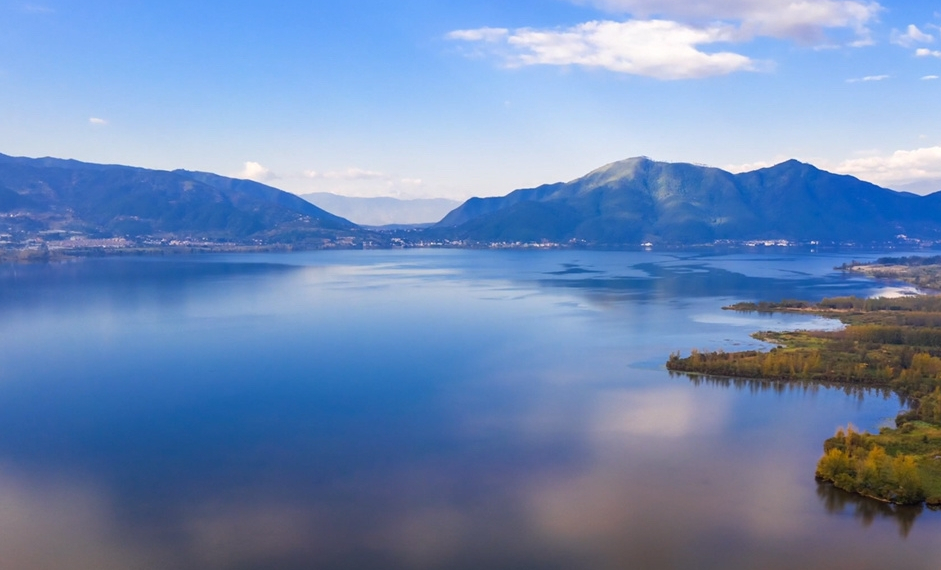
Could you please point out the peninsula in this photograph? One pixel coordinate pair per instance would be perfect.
(887, 343)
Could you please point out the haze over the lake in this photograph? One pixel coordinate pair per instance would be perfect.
(454, 99)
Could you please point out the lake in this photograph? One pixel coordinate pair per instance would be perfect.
(423, 409)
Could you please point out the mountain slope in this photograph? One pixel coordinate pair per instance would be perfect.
(638, 200)
(111, 200)
(248, 192)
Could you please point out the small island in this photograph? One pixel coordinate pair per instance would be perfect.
(888, 344)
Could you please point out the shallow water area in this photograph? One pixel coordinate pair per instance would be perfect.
(423, 409)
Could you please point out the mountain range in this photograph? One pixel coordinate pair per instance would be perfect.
(641, 200)
(96, 200)
(625, 203)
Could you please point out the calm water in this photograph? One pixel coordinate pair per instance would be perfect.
(421, 409)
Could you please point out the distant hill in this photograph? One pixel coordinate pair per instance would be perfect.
(383, 211)
(640, 200)
(920, 187)
(98, 200)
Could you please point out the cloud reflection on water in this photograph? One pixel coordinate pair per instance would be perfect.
(526, 437)
(659, 413)
(60, 523)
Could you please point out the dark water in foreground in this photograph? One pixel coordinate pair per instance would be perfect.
(421, 409)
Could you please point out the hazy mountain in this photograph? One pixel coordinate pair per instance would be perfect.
(112, 200)
(638, 200)
(383, 211)
(920, 187)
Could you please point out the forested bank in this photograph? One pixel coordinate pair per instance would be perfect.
(887, 344)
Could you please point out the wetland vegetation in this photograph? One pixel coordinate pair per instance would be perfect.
(887, 343)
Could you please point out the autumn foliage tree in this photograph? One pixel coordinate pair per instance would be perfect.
(854, 463)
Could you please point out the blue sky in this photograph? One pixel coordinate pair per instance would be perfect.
(422, 98)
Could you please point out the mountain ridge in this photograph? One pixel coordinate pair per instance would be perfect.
(99, 201)
(624, 203)
(642, 200)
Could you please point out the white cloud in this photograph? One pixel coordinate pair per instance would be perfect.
(929, 77)
(652, 48)
(97, 121)
(801, 20)
(257, 172)
(911, 37)
(901, 168)
(479, 35)
(925, 52)
(869, 78)
(663, 38)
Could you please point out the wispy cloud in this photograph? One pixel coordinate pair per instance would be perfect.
(653, 48)
(805, 21)
(361, 174)
(257, 172)
(925, 52)
(348, 174)
(929, 78)
(364, 182)
(355, 174)
(97, 121)
(911, 36)
(480, 35)
(37, 9)
(868, 78)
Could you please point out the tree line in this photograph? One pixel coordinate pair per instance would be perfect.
(887, 344)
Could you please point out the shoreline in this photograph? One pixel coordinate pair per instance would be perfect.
(45, 253)
(887, 344)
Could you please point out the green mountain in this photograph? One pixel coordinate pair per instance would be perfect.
(640, 200)
(96, 200)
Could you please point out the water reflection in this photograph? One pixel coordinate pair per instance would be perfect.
(835, 500)
(757, 385)
(685, 280)
(54, 522)
(404, 410)
(868, 510)
(73, 285)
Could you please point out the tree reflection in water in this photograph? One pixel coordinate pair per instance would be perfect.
(835, 500)
(867, 510)
(756, 385)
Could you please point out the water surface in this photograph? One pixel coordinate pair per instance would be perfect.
(422, 409)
